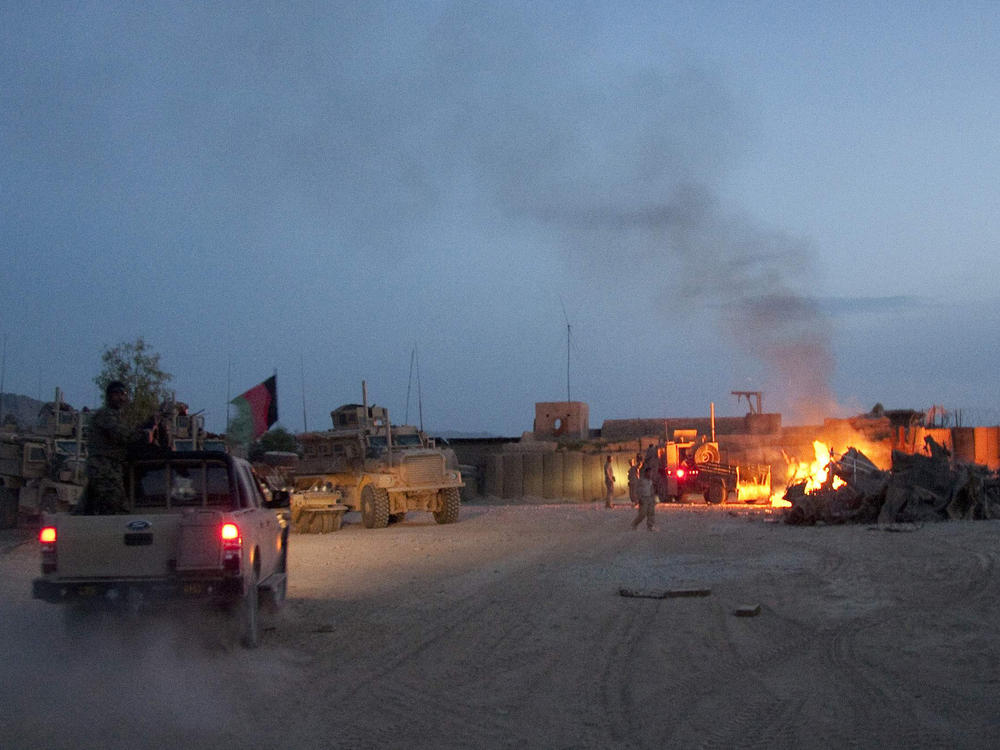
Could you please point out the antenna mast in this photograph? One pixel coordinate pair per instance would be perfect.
(414, 364)
(420, 400)
(302, 369)
(568, 328)
(409, 384)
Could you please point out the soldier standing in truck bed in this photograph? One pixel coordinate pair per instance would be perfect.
(109, 436)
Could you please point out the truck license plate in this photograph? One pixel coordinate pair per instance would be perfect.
(194, 588)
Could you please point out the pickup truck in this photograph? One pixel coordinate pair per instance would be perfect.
(198, 526)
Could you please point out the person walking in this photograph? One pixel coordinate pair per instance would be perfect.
(633, 481)
(609, 482)
(647, 501)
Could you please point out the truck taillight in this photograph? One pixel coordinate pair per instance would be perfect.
(232, 546)
(680, 473)
(47, 538)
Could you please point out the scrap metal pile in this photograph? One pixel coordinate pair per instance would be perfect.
(918, 488)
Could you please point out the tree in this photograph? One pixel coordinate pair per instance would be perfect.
(138, 367)
(275, 439)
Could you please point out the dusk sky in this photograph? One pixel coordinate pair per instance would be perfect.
(796, 198)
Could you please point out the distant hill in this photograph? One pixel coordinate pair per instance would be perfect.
(21, 410)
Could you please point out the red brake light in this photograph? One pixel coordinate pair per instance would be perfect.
(680, 473)
(47, 535)
(230, 532)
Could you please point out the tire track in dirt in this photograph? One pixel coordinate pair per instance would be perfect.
(887, 709)
(953, 581)
(405, 666)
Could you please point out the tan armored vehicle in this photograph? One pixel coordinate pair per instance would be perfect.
(364, 463)
(43, 469)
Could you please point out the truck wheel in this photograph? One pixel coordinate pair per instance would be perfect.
(374, 507)
(450, 501)
(274, 597)
(706, 453)
(716, 493)
(248, 612)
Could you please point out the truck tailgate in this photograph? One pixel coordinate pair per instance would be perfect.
(119, 547)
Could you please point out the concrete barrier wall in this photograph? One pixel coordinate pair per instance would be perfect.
(513, 475)
(978, 445)
(573, 475)
(534, 475)
(559, 475)
(493, 486)
(552, 475)
(578, 476)
(593, 476)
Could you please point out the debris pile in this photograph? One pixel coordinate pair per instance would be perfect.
(918, 488)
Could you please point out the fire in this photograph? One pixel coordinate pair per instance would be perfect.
(815, 473)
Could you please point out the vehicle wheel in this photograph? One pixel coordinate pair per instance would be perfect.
(374, 507)
(706, 453)
(716, 493)
(274, 597)
(450, 502)
(248, 612)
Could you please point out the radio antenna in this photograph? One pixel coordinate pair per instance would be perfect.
(568, 333)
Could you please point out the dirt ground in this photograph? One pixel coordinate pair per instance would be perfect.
(507, 630)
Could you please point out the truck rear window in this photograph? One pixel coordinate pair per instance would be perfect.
(191, 484)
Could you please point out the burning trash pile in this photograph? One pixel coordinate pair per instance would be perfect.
(918, 488)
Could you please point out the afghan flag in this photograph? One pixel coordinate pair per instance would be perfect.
(256, 411)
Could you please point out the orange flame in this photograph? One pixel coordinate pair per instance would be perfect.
(815, 473)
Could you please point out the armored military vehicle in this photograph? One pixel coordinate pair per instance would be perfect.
(367, 464)
(43, 468)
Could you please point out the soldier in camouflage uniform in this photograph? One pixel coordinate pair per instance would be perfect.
(647, 501)
(108, 440)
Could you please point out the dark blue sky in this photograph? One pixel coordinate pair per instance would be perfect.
(798, 199)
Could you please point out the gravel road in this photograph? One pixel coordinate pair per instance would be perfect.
(507, 630)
